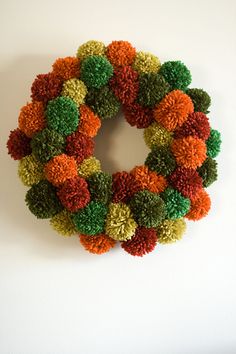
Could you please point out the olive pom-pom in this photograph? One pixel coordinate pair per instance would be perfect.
(96, 71)
(148, 208)
(18, 144)
(208, 172)
(176, 205)
(143, 242)
(176, 74)
(100, 187)
(63, 224)
(213, 143)
(103, 102)
(91, 219)
(30, 170)
(200, 98)
(161, 160)
(170, 231)
(46, 144)
(97, 244)
(42, 200)
(46, 87)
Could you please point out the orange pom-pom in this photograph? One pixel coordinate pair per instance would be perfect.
(31, 119)
(120, 53)
(97, 244)
(173, 110)
(60, 168)
(89, 122)
(200, 206)
(189, 152)
(148, 179)
(67, 68)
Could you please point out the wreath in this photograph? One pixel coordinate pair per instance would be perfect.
(54, 145)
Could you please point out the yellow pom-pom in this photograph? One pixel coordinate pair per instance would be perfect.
(120, 224)
(157, 135)
(146, 63)
(88, 167)
(63, 224)
(91, 48)
(75, 89)
(30, 170)
(170, 231)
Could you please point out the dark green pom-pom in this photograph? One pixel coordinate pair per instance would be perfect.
(42, 200)
(176, 74)
(103, 102)
(47, 144)
(148, 208)
(213, 143)
(176, 204)
(100, 187)
(200, 98)
(62, 115)
(161, 160)
(208, 172)
(96, 71)
(152, 88)
(91, 219)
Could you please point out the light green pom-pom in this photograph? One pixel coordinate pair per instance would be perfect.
(157, 135)
(63, 224)
(75, 89)
(30, 170)
(170, 231)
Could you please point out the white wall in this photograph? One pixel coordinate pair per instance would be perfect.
(55, 297)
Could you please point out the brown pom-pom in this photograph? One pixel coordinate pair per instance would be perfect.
(18, 144)
(123, 186)
(197, 125)
(124, 84)
(79, 146)
(187, 181)
(143, 242)
(138, 116)
(46, 87)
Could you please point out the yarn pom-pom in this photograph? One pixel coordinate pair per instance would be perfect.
(67, 68)
(170, 231)
(120, 53)
(88, 167)
(148, 208)
(97, 244)
(173, 110)
(200, 206)
(157, 135)
(74, 89)
(31, 119)
(89, 122)
(161, 160)
(60, 168)
(176, 74)
(138, 116)
(30, 170)
(187, 181)
(46, 87)
(200, 99)
(103, 102)
(91, 48)
(74, 194)
(18, 144)
(149, 180)
(123, 186)
(63, 224)
(176, 205)
(197, 125)
(213, 143)
(208, 172)
(79, 146)
(100, 187)
(146, 63)
(143, 242)
(96, 71)
(91, 219)
(120, 224)
(42, 200)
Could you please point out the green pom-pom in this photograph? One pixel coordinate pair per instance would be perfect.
(103, 102)
(176, 74)
(91, 219)
(96, 71)
(213, 143)
(152, 88)
(47, 144)
(161, 160)
(148, 208)
(100, 187)
(208, 171)
(62, 115)
(42, 200)
(176, 205)
(200, 98)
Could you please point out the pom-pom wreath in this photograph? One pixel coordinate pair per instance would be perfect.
(91, 219)
(103, 102)
(18, 144)
(54, 143)
(200, 99)
(42, 200)
(161, 160)
(200, 206)
(152, 89)
(176, 74)
(97, 244)
(31, 119)
(120, 53)
(213, 143)
(120, 224)
(47, 144)
(63, 224)
(176, 205)
(208, 172)
(173, 110)
(46, 87)
(148, 208)
(74, 194)
(62, 115)
(96, 71)
(30, 170)
(143, 242)
(170, 231)
(189, 152)
(146, 63)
